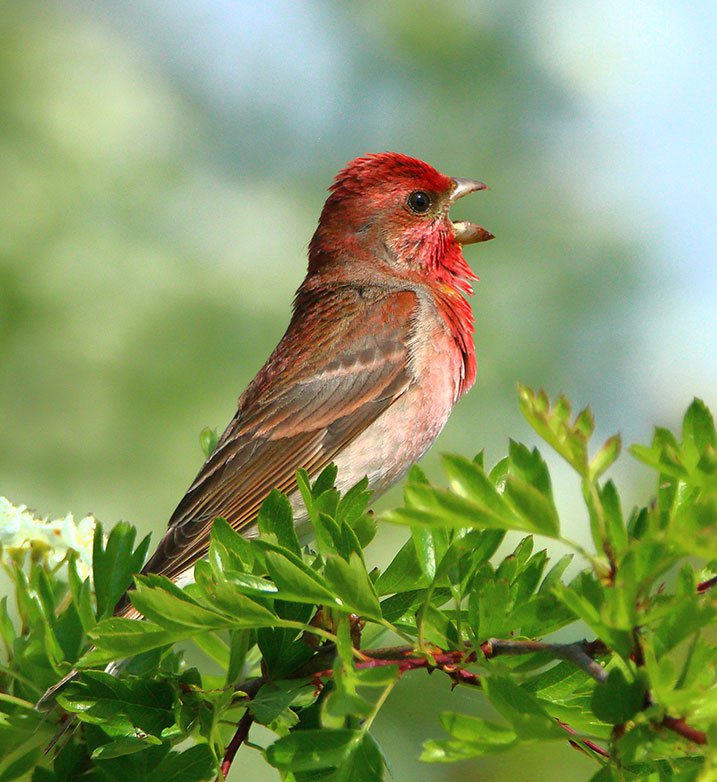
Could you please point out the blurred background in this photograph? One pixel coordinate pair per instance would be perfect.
(163, 165)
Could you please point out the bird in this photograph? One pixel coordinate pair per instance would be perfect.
(378, 351)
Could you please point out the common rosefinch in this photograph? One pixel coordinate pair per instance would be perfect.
(378, 351)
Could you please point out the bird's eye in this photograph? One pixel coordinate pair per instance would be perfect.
(419, 202)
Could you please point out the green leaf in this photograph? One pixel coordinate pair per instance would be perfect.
(475, 729)
(7, 630)
(615, 527)
(208, 439)
(352, 585)
(311, 750)
(530, 467)
(228, 550)
(617, 700)
(522, 709)
(431, 545)
(605, 457)
(403, 573)
(325, 481)
(698, 427)
(535, 510)
(120, 708)
(436, 628)
(18, 768)
(472, 737)
(467, 479)
(274, 697)
(125, 745)
(351, 510)
(81, 594)
(296, 580)
(114, 564)
(195, 764)
(117, 638)
(553, 425)
(238, 610)
(159, 600)
(275, 516)
(435, 507)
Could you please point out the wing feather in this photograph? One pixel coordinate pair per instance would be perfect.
(289, 419)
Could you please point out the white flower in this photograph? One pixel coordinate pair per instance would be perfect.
(20, 529)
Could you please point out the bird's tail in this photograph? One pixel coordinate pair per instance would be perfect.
(47, 701)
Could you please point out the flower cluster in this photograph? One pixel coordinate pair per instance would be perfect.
(22, 531)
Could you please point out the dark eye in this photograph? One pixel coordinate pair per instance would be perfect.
(419, 202)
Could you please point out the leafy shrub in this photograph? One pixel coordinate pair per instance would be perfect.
(310, 641)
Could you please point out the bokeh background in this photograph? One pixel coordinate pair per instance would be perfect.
(162, 167)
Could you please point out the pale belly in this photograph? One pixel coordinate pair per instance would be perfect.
(405, 431)
(387, 449)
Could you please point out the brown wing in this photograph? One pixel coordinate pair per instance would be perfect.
(353, 366)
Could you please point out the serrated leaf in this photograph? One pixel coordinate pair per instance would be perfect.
(466, 728)
(535, 511)
(228, 550)
(275, 697)
(295, 580)
(117, 638)
(195, 764)
(698, 427)
(114, 564)
(170, 608)
(617, 700)
(352, 585)
(605, 457)
(276, 516)
(522, 709)
(311, 750)
(403, 573)
(467, 479)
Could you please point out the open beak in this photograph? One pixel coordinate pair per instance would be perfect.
(465, 232)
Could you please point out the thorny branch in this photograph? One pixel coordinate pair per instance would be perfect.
(406, 658)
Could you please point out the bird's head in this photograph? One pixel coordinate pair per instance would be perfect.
(393, 210)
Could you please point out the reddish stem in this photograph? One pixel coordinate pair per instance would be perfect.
(239, 737)
(703, 586)
(577, 744)
(678, 725)
(406, 660)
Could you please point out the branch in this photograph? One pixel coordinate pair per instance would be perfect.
(577, 744)
(683, 729)
(250, 688)
(239, 737)
(703, 586)
(580, 653)
(407, 659)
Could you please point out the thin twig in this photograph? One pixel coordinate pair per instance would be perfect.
(239, 737)
(704, 586)
(577, 743)
(679, 726)
(250, 688)
(580, 653)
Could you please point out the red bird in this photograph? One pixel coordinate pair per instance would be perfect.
(378, 351)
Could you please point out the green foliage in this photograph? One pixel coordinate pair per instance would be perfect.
(295, 637)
